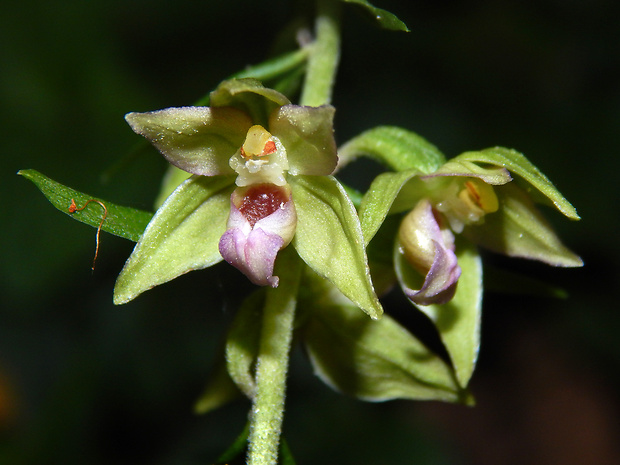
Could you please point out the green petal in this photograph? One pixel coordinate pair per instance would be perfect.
(386, 19)
(182, 236)
(517, 164)
(329, 239)
(199, 140)
(249, 96)
(458, 321)
(375, 360)
(395, 147)
(307, 134)
(378, 200)
(121, 221)
(518, 229)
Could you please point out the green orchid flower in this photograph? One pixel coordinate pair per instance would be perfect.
(260, 182)
(487, 196)
(449, 209)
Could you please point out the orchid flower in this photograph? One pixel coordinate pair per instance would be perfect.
(477, 199)
(260, 180)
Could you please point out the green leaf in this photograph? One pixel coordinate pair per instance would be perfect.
(375, 360)
(518, 229)
(243, 341)
(121, 221)
(395, 147)
(273, 69)
(517, 164)
(386, 19)
(378, 200)
(183, 236)
(458, 321)
(329, 239)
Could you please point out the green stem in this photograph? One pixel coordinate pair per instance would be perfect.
(324, 55)
(272, 362)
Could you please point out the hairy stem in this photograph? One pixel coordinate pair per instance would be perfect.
(324, 56)
(272, 363)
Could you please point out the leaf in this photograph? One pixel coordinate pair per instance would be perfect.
(182, 236)
(516, 163)
(395, 147)
(243, 341)
(518, 229)
(125, 222)
(375, 360)
(329, 239)
(458, 321)
(386, 19)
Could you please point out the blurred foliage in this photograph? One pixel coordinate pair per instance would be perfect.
(82, 381)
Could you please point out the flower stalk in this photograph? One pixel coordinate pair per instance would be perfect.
(324, 56)
(272, 363)
(279, 310)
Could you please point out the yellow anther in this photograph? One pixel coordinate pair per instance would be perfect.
(257, 143)
(478, 195)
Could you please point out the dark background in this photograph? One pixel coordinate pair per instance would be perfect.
(83, 381)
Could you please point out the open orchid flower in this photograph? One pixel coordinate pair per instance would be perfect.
(484, 198)
(260, 182)
(221, 140)
(475, 195)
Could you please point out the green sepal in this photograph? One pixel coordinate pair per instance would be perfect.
(375, 360)
(219, 391)
(329, 239)
(378, 201)
(395, 147)
(518, 229)
(242, 343)
(517, 164)
(183, 236)
(494, 175)
(457, 321)
(385, 19)
(250, 96)
(125, 222)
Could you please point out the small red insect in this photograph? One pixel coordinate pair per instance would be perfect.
(74, 208)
